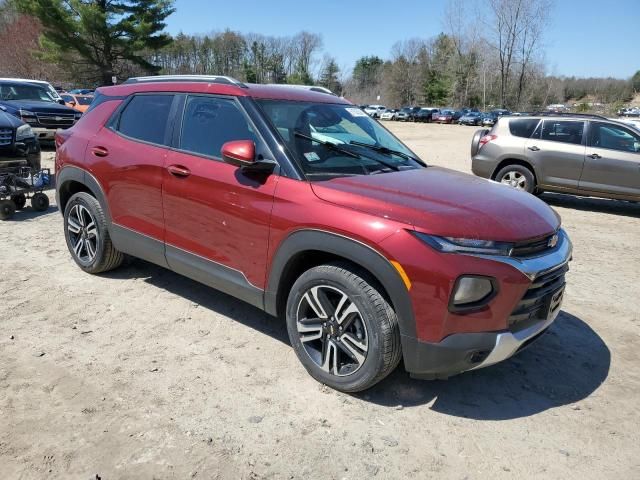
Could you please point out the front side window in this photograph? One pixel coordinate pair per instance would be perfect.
(210, 122)
(335, 139)
(613, 137)
(562, 131)
(146, 117)
(523, 127)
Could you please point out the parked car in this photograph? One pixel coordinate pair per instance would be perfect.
(629, 112)
(375, 110)
(33, 105)
(499, 112)
(46, 85)
(364, 269)
(425, 115)
(471, 118)
(82, 91)
(389, 114)
(18, 143)
(443, 116)
(407, 114)
(488, 119)
(77, 102)
(579, 154)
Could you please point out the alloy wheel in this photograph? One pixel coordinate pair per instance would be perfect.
(514, 179)
(83, 233)
(332, 330)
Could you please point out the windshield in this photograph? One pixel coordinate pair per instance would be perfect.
(312, 131)
(24, 92)
(84, 100)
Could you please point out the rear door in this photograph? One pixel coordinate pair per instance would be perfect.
(128, 157)
(557, 149)
(216, 216)
(612, 163)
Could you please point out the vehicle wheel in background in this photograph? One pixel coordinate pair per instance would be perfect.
(518, 177)
(87, 235)
(342, 329)
(475, 141)
(7, 209)
(20, 200)
(40, 202)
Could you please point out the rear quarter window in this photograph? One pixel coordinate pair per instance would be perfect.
(523, 127)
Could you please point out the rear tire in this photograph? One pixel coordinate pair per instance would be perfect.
(518, 177)
(87, 235)
(341, 327)
(7, 209)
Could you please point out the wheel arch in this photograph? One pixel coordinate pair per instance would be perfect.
(71, 180)
(305, 249)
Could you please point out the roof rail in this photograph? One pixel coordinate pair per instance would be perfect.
(568, 114)
(311, 88)
(188, 78)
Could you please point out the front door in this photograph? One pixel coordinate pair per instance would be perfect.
(612, 162)
(216, 216)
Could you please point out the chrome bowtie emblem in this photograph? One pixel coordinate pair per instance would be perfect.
(58, 119)
(553, 241)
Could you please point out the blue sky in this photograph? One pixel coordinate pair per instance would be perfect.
(585, 38)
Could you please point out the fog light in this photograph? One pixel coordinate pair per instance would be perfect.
(470, 291)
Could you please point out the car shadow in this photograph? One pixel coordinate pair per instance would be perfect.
(204, 296)
(592, 204)
(565, 366)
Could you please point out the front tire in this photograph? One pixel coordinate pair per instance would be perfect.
(342, 328)
(40, 202)
(7, 209)
(87, 235)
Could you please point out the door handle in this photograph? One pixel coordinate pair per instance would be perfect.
(100, 151)
(595, 156)
(179, 171)
(533, 148)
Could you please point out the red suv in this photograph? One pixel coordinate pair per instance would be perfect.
(298, 203)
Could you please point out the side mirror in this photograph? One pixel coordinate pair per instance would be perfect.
(242, 153)
(61, 102)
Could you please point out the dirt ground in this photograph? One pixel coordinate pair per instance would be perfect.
(141, 373)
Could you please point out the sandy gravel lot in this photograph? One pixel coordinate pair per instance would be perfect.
(141, 373)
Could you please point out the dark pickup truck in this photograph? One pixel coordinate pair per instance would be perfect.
(34, 105)
(18, 143)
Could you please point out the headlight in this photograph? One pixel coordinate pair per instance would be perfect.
(26, 113)
(466, 245)
(472, 291)
(24, 132)
(78, 115)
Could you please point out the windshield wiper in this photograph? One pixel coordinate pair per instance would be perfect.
(329, 145)
(381, 149)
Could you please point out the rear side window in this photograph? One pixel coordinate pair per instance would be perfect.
(523, 127)
(146, 117)
(613, 137)
(562, 131)
(209, 122)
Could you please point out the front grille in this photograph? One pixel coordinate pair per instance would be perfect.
(530, 248)
(53, 120)
(537, 300)
(6, 136)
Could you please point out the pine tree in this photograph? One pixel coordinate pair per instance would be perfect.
(329, 76)
(104, 35)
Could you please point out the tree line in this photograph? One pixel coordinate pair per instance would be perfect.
(494, 58)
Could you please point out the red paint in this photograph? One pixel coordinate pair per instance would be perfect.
(214, 210)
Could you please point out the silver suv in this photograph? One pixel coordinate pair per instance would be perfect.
(579, 154)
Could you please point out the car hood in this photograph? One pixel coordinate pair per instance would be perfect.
(42, 107)
(444, 202)
(8, 120)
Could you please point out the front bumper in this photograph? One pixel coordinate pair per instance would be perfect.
(460, 352)
(20, 152)
(45, 134)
